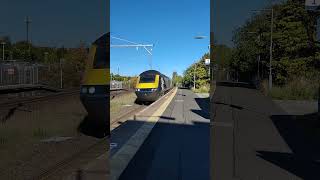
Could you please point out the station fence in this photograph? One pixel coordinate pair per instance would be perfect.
(127, 85)
(55, 75)
(18, 73)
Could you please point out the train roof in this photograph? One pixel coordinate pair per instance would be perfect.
(152, 72)
(103, 40)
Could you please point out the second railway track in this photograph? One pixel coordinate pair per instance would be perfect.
(18, 101)
(126, 115)
(71, 164)
(119, 92)
(38, 99)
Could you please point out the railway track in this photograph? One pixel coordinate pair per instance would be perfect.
(72, 163)
(18, 101)
(89, 153)
(119, 92)
(128, 114)
(38, 99)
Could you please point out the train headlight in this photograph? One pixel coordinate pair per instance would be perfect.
(92, 90)
(84, 90)
(137, 89)
(152, 90)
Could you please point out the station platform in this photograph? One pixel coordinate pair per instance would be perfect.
(168, 140)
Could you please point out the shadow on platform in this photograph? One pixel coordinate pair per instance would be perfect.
(304, 161)
(183, 88)
(165, 135)
(181, 94)
(204, 104)
(161, 117)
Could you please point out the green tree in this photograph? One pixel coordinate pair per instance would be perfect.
(294, 50)
(176, 79)
(201, 72)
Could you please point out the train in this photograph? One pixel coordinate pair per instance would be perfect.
(95, 87)
(151, 85)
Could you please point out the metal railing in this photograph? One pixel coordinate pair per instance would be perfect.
(15, 72)
(116, 85)
(121, 85)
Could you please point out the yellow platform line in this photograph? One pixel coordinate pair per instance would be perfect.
(123, 156)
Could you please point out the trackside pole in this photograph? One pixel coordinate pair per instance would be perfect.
(319, 103)
(79, 175)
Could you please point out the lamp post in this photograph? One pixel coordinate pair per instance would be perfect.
(195, 64)
(3, 43)
(271, 45)
(61, 73)
(259, 58)
(194, 75)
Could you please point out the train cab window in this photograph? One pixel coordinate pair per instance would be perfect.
(147, 78)
(100, 58)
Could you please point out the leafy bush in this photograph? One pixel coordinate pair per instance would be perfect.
(199, 70)
(299, 88)
(40, 133)
(3, 140)
(202, 89)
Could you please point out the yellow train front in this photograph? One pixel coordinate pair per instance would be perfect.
(95, 87)
(151, 85)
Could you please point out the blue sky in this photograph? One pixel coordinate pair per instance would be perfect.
(169, 25)
(229, 14)
(54, 22)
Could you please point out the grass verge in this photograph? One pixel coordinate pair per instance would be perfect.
(117, 104)
(296, 89)
(202, 89)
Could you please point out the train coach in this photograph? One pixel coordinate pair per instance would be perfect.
(95, 86)
(151, 85)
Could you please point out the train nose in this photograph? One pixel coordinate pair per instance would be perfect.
(143, 95)
(97, 105)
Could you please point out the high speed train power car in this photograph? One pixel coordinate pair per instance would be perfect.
(151, 85)
(95, 87)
